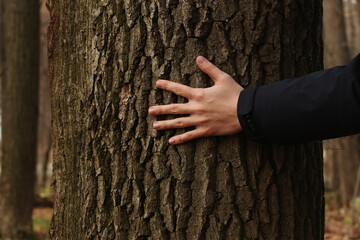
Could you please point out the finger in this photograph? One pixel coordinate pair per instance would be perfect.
(174, 109)
(185, 137)
(177, 88)
(210, 69)
(174, 123)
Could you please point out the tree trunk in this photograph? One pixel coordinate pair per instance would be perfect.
(352, 18)
(358, 9)
(336, 51)
(345, 151)
(44, 134)
(19, 108)
(117, 178)
(348, 158)
(2, 60)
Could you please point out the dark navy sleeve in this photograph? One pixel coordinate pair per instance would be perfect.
(321, 105)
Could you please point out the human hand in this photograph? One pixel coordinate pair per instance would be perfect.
(212, 111)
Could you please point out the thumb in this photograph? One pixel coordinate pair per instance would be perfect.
(210, 69)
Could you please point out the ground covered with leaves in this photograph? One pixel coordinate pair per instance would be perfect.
(339, 224)
(41, 222)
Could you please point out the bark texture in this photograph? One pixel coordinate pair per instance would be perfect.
(19, 116)
(117, 178)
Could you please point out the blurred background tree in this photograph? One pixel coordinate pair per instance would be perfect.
(20, 61)
(43, 163)
(341, 34)
(1, 64)
(44, 166)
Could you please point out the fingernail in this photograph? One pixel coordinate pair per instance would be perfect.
(171, 140)
(151, 110)
(156, 125)
(158, 83)
(202, 60)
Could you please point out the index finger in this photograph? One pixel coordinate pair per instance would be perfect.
(210, 69)
(177, 88)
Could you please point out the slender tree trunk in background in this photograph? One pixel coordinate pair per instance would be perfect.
(19, 108)
(44, 182)
(336, 50)
(352, 19)
(2, 59)
(336, 53)
(344, 151)
(358, 9)
(117, 178)
(44, 135)
(348, 158)
(344, 156)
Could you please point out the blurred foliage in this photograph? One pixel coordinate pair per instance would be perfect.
(347, 220)
(41, 222)
(41, 225)
(45, 192)
(357, 204)
(332, 198)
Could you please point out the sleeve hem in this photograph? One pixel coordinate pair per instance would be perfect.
(244, 112)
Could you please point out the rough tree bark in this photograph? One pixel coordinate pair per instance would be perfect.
(19, 119)
(116, 178)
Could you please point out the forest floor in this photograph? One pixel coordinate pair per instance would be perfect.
(41, 222)
(337, 223)
(42, 214)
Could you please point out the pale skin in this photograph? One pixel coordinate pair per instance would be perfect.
(212, 111)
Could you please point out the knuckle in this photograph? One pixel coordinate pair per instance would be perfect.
(225, 76)
(180, 124)
(188, 136)
(203, 121)
(198, 94)
(179, 139)
(206, 131)
(177, 90)
(199, 109)
(174, 109)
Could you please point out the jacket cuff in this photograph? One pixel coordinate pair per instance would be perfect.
(244, 112)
